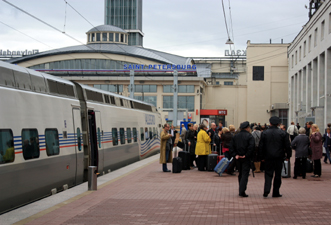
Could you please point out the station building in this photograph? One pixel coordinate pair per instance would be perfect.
(310, 68)
(229, 89)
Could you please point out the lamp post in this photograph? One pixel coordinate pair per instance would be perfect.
(230, 42)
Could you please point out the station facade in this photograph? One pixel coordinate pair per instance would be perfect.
(310, 69)
(216, 89)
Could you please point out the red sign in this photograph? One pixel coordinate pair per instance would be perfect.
(222, 112)
(213, 112)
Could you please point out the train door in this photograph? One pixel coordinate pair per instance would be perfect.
(94, 156)
(138, 140)
(99, 140)
(79, 167)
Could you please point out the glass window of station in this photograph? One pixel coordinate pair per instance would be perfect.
(181, 89)
(148, 99)
(228, 82)
(184, 102)
(81, 64)
(110, 87)
(107, 37)
(145, 88)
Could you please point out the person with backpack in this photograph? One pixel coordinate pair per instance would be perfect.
(292, 130)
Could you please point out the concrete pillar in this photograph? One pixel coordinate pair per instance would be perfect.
(304, 87)
(309, 85)
(314, 84)
(175, 98)
(327, 100)
(303, 96)
(131, 86)
(319, 119)
(299, 87)
(295, 95)
(292, 103)
(321, 79)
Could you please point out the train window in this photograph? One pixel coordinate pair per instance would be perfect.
(121, 101)
(30, 144)
(79, 139)
(99, 137)
(112, 100)
(154, 133)
(134, 132)
(115, 136)
(7, 152)
(107, 99)
(52, 142)
(122, 136)
(150, 133)
(146, 134)
(142, 137)
(128, 134)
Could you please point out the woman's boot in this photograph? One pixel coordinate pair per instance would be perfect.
(257, 167)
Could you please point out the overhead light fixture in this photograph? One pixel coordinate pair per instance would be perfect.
(229, 42)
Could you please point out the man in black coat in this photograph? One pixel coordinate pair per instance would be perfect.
(242, 148)
(274, 148)
(308, 128)
(212, 132)
(191, 143)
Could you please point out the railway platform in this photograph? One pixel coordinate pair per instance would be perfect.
(142, 194)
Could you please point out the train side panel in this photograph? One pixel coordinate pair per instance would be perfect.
(26, 113)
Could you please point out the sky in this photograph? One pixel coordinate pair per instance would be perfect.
(190, 28)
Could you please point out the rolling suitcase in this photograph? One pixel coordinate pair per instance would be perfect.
(211, 161)
(286, 171)
(185, 156)
(222, 166)
(177, 164)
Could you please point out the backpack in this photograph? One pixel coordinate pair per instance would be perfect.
(256, 138)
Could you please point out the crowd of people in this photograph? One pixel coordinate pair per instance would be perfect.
(262, 147)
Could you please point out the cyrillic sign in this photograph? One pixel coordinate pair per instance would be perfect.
(235, 53)
(159, 67)
(8, 53)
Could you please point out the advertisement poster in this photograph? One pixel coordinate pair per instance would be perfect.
(205, 121)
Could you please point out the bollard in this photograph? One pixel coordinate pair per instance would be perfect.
(92, 178)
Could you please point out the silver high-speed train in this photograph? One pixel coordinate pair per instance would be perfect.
(52, 130)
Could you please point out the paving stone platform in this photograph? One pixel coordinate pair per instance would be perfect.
(149, 196)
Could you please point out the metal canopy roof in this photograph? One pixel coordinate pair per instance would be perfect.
(112, 48)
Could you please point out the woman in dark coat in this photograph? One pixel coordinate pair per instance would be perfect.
(317, 149)
(191, 141)
(300, 144)
(217, 141)
(226, 141)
